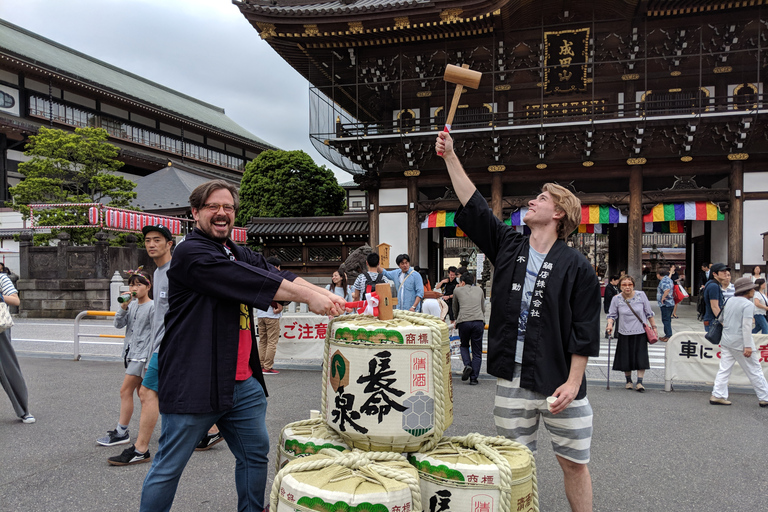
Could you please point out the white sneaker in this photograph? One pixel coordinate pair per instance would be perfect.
(28, 418)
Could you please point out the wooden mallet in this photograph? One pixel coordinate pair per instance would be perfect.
(461, 76)
(386, 301)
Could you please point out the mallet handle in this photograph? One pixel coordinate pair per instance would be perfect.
(452, 111)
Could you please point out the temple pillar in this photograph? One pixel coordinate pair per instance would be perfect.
(413, 219)
(496, 194)
(635, 225)
(373, 218)
(736, 218)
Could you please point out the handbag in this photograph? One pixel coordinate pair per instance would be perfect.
(652, 336)
(715, 332)
(678, 294)
(6, 320)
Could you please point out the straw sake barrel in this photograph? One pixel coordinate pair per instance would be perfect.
(476, 472)
(387, 384)
(352, 481)
(306, 437)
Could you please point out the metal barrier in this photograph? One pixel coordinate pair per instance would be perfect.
(78, 333)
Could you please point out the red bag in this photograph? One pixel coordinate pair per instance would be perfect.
(678, 294)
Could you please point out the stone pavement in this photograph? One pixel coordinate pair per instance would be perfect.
(651, 451)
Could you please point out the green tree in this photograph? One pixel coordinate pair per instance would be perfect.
(70, 168)
(288, 184)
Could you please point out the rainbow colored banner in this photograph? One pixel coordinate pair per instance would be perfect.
(444, 219)
(601, 214)
(590, 214)
(441, 219)
(690, 210)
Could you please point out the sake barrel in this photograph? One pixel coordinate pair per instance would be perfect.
(476, 472)
(353, 481)
(387, 384)
(306, 437)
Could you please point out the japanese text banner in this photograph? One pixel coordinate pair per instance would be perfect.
(566, 55)
(691, 358)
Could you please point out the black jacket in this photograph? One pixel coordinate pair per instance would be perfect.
(610, 292)
(198, 354)
(568, 319)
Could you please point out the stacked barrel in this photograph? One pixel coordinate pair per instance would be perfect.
(378, 444)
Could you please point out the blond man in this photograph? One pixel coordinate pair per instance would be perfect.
(545, 322)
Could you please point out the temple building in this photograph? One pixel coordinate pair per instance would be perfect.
(169, 142)
(649, 110)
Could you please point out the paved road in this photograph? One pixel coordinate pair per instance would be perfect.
(652, 451)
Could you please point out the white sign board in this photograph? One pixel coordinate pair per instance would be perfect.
(691, 358)
(302, 336)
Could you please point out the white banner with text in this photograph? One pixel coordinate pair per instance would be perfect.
(691, 358)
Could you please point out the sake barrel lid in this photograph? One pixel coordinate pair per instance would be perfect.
(356, 475)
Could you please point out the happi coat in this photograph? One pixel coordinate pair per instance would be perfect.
(197, 362)
(564, 311)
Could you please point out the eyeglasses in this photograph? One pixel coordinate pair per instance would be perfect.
(214, 207)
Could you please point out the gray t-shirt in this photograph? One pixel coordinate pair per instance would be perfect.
(138, 333)
(360, 282)
(161, 305)
(535, 259)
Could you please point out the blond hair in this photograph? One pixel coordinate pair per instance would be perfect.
(569, 204)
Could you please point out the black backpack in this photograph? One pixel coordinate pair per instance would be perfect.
(372, 283)
(701, 308)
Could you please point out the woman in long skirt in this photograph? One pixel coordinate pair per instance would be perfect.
(632, 309)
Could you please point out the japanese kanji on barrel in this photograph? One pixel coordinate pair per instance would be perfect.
(352, 481)
(476, 472)
(387, 384)
(306, 437)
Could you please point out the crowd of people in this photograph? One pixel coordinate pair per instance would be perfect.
(201, 298)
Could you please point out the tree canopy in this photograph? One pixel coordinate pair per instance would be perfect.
(288, 184)
(70, 167)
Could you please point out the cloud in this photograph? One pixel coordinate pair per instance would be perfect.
(202, 48)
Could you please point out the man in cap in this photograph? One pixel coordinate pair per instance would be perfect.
(737, 345)
(158, 241)
(719, 275)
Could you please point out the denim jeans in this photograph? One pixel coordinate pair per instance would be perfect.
(761, 325)
(245, 430)
(472, 331)
(666, 319)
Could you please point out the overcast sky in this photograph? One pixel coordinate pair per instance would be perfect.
(202, 48)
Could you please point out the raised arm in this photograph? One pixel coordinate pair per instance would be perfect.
(461, 183)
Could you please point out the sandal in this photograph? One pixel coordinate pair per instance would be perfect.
(675, 316)
(639, 387)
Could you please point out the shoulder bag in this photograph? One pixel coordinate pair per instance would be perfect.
(715, 332)
(652, 336)
(6, 320)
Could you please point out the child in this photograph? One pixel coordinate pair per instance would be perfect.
(136, 315)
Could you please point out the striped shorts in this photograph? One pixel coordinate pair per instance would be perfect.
(517, 413)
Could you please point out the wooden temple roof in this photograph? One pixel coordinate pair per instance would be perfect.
(35, 54)
(344, 225)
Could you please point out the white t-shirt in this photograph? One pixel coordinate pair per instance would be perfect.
(535, 259)
(759, 297)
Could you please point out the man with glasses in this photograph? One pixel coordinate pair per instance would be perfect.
(209, 352)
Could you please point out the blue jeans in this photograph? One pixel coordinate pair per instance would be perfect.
(666, 319)
(245, 430)
(761, 325)
(472, 331)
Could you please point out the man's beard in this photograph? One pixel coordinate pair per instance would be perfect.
(213, 231)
